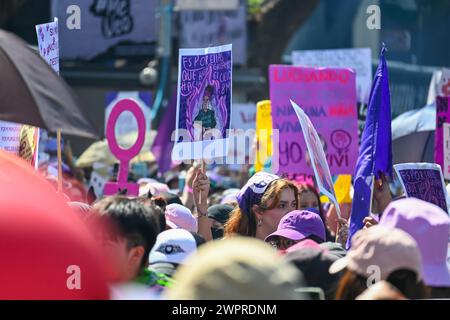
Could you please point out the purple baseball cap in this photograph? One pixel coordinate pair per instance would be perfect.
(429, 225)
(298, 225)
(253, 190)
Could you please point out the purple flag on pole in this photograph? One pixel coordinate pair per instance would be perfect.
(375, 153)
(162, 146)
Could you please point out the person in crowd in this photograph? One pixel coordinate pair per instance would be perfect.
(262, 202)
(240, 268)
(309, 199)
(380, 253)
(382, 290)
(219, 214)
(171, 198)
(158, 207)
(171, 249)
(382, 197)
(127, 231)
(296, 226)
(200, 192)
(178, 216)
(429, 225)
(314, 262)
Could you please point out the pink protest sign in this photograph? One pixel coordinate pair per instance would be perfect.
(328, 97)
(124, 155)
(442, 116)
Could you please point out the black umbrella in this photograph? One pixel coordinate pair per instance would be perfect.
(32, 93)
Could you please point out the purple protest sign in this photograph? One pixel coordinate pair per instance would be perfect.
(328, 97)
(442, 116)
(423, 181)
(203, 103)
(48, 43)
(124, 155)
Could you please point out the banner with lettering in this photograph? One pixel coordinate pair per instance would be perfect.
(216, 27)
(423, 181)
(48, 43)
(442, 117)
(10, 137)
(112, 28)
(328, 97)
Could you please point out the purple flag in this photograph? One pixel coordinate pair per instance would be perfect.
(162, 146)
(375, 153)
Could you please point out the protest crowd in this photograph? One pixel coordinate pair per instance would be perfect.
(188, 227)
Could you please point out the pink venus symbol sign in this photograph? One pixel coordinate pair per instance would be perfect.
(124, 155)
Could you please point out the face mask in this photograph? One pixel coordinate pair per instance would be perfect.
(217, 233)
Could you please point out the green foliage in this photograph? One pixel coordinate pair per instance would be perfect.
(254, 6)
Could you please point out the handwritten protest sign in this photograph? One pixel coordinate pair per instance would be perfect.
(48, 43)
(317, 155)
(328, 97)
(203, 103)
(423, 181)
(216, 28)
(29, 144)
(10, 137)
(442, 116)
(124, 155)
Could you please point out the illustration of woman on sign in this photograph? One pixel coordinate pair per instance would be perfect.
(206, 118)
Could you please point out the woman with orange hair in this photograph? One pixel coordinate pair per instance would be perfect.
(263, 201)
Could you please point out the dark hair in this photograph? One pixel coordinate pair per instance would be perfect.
(352, 285)
(306, 187)
(408, 284)
(158, 207)
(314, 264)
(128, 218)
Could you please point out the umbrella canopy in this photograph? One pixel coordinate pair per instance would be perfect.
(42, 241)
(32, 93)
(413, 135)
(99, 151)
